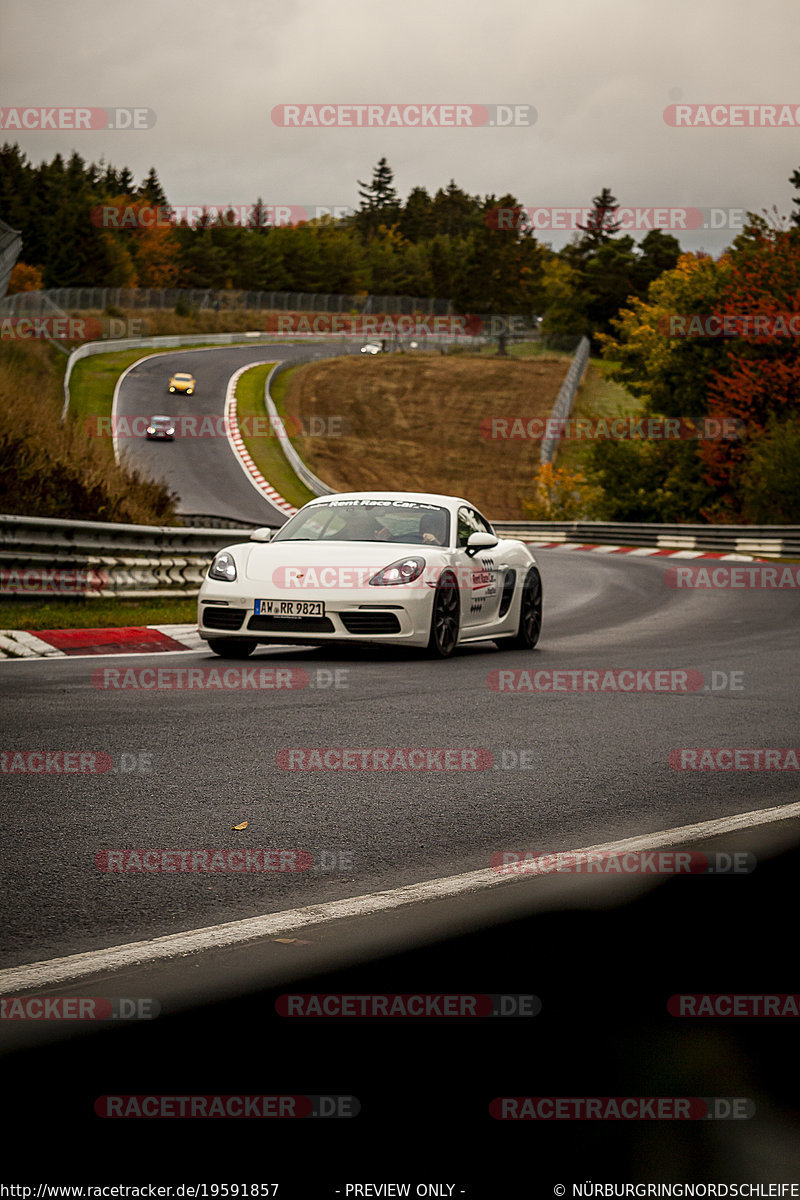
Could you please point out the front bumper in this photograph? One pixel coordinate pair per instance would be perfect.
(361, 617)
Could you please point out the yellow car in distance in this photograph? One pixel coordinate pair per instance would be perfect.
(182, 383)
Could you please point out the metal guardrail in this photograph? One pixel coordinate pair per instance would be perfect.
(779, 540)
(10, 247)
(47, 557)
(566, 396)
(41, 557)
(312, 482)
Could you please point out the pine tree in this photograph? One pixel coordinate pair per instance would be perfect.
(794, 180)
(259, 218)
(151, 189)
(600, 226)
(380, 204)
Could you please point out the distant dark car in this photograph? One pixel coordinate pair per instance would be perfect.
(161, 428)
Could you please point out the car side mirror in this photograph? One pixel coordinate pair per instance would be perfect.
(480, 541)
(262, 535)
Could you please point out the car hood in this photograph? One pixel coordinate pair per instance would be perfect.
(264, 561)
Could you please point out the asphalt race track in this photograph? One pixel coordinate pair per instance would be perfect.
(202, 470)
(599, 762)
(604, 955)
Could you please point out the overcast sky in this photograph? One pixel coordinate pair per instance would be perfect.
(599, 76)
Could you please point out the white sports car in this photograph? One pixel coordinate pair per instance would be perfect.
(404, 568)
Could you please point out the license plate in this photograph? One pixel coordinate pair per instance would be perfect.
(290, 608)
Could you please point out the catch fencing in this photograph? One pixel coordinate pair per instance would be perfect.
(90, 299)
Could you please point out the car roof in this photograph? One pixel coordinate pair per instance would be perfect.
(161, 417)
(182, 375)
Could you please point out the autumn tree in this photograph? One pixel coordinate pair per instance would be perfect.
(758, 383)
(24, 278)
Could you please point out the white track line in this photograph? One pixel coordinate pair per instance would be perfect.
(217, 937)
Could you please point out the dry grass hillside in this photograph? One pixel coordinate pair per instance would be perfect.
(52, 470)
(415, 424)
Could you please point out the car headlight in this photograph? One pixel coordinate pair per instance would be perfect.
(170, 432)
(150, 429)
(405, 570)
(223, 567)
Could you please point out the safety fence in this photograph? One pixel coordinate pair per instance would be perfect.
(44, 557)
(10, 247)
(778, 540)
(57, 558)
(83, 299)
(566, 397)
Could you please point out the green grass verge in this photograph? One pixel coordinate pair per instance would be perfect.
(266, 450)
(598, 398)
(91, 389)
(100, 613)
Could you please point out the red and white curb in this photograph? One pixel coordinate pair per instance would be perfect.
(641, 551)
(236, 442)
(155, 639)
(84, 643)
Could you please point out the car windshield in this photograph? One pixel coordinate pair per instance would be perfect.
(365, 520)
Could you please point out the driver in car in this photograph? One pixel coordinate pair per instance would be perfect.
(364, 526)
(432, 527)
